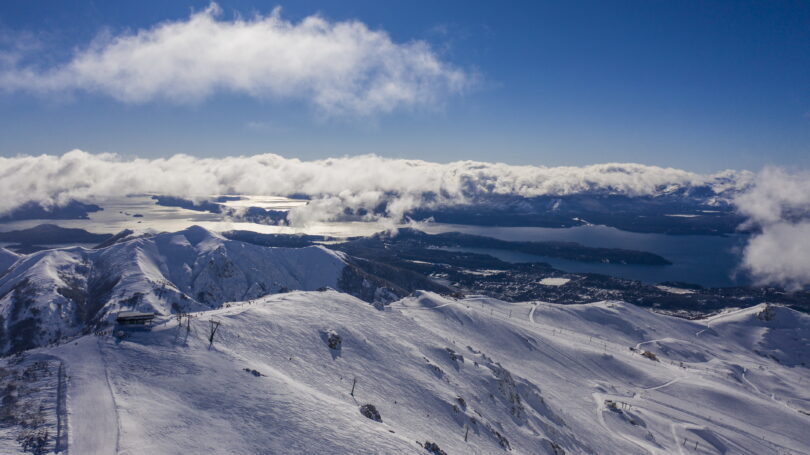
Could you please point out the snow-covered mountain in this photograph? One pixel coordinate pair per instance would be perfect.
(55, 293)
(296, 367)
(6, 259)
(476, 375)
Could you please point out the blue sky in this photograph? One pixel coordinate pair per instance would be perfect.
(696, 85)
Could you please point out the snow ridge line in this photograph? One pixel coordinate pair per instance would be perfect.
(403, 307)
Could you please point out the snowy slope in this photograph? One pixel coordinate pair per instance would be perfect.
(7, 258)
(523, 377)
(55, 293)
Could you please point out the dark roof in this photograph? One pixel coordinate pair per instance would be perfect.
(134, 315)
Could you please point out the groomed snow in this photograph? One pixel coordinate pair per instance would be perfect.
(537, 375)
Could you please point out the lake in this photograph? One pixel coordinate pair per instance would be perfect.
(705, 260)
(141, 213)
(700, 259)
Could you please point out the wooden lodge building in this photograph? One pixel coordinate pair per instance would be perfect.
(134, 319)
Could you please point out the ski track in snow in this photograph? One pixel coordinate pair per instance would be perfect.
(771, 396)
(687, 368)
(600, 410)
(672, 426)
(647, 447)
(666, 384)
(92, 415)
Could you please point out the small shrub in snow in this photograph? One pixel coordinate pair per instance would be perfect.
(558, 450)
(433, 448)
(370, 411)
(461, 402)
(436, 370)
(501, 439)
(34, 440)
(333, 340)
(454, 356)
(650, 355)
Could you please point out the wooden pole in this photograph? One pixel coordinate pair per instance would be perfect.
(354, 382)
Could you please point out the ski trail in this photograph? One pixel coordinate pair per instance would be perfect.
(613, 349)
(112, 398)
(600, 409)
(687, 415)
(708, 326)
(92, 424)
(666, 384)
(638, 346)
(772, 396)
(675, 438)
(559, 351)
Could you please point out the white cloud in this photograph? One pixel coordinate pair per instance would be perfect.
(780, 255)
(334, 184)
(778, 208)
(776, 196)
(340, 67)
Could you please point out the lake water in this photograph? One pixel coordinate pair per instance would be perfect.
(120, 214)
(705, 260)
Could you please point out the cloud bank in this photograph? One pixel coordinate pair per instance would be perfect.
(340, 67)
(334, 185)
(776, 202)
(778, 206)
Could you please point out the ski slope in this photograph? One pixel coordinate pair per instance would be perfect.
(526, 378)
(92, 414)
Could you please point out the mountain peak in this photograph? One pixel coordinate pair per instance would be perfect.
(197, 234)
